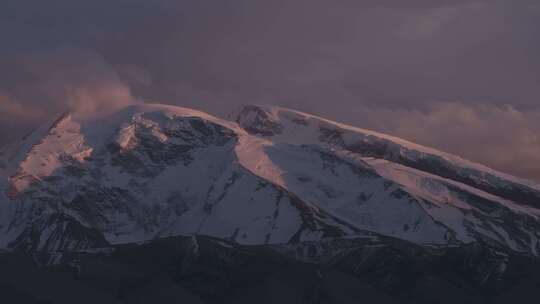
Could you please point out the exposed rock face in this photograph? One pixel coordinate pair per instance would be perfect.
(271, 176)
(256, 120)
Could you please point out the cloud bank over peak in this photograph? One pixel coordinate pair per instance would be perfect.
(459, 75)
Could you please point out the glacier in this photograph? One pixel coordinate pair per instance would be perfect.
(264, 175)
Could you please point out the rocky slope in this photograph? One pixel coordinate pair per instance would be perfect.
(267, 176)
(208, 270)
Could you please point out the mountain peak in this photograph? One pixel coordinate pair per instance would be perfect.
(272, 176)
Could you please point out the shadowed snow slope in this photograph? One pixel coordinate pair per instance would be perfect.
(269, 175)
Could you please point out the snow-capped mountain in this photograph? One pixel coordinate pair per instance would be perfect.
(266, 176)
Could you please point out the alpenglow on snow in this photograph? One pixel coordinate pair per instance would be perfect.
(266, 176)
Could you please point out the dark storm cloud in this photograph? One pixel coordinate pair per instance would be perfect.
(396, 66)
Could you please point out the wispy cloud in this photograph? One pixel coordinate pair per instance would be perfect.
(373, 63)
(501, 137)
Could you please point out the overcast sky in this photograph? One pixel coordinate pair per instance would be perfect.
(462, 76)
